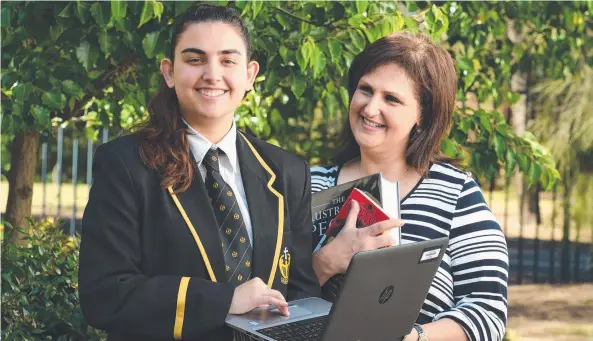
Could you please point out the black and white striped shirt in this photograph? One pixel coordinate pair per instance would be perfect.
(470, 286)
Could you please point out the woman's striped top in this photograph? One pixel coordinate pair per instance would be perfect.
(470, 286)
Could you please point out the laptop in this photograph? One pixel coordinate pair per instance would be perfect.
(380, 299)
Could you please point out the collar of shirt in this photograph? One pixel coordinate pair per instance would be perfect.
(199, 145)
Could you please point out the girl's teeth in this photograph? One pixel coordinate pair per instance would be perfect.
(211, 93)
(372, 124)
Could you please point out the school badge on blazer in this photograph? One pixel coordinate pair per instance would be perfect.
(284, 265)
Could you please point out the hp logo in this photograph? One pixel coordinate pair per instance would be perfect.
(386, 294)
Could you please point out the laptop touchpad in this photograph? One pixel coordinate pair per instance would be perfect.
(261, 317)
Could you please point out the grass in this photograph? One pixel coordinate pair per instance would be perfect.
(546, 312)
(496, 201)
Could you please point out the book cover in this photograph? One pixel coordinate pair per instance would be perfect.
(327, 204)
(370, 213)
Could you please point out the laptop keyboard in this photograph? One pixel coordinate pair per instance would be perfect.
(304, 330)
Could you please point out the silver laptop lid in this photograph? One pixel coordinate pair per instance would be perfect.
(383, 292)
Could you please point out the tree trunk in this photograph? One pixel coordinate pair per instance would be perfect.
(565, 256)
(21, 179)
(534, 204)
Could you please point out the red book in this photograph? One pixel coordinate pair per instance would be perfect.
(370, 213)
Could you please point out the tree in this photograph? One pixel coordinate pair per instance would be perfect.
(564, 122)
(96, 62)
(57, 58)
(513, 45)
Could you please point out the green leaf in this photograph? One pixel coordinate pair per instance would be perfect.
(302, 63)
(534, 173)
(82, 11)
(319, 63)
(361, 6)
(499, 146)
(105, 43)
(283, 52)
(524, 162)
(271, 80)
(21, 93)
(282, 21)
(158, 9)
(319, 33)
(449, 147)
(131, 39)
(118, 10)
(54, 100)
(511, 162)
(256, 7)
(411, 24)
(335, 50)
(7, 39)
(306, 54)
(329, 100)
(358, 40)
(385, 26)
(276, 119)
(41, 115)
(83, 52)
(356, 20)
(345, 97)
(100, 17)
(147, 13)
(95, 74)
(181, 6)
(55, 31)
(5, 18)
(9, 78)
(299, 84)
(465, 125)
(67, 11)
(72, 89)
(397, 23)
(465, 63)
(373, 33)
(149, 43)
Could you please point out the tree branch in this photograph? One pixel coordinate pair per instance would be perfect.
(302, 19)
(99, 85)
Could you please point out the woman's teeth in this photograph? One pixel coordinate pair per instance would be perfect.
(211, 93)
(372, 124)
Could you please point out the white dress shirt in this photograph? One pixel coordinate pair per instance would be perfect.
(228, 164)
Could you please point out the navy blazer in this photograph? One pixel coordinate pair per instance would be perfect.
(151, 261)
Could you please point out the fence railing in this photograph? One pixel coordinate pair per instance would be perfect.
(532, 259)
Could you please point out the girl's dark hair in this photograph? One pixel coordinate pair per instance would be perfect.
(432, 72)
(163, 143)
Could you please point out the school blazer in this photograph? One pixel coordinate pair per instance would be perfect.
(151, 262)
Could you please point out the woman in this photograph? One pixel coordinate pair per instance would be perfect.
(189, 220)
(402, 95)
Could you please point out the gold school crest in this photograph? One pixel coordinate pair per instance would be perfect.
(284, 266)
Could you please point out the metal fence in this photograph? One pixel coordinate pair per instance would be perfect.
(90, 148)
(532, 260)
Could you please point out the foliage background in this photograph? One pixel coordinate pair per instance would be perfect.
(90, 65)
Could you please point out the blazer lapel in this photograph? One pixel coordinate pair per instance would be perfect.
(266, 208)
(194, 206)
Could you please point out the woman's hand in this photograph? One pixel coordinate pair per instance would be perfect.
(335, 257)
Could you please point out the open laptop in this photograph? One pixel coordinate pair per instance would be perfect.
(382, 294)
